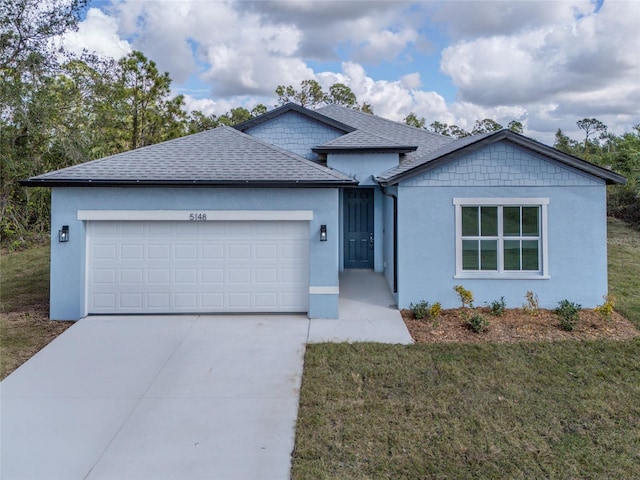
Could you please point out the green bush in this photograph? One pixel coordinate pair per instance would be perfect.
(476, 321)
(422, 309)
(498, 307)
(569, 314)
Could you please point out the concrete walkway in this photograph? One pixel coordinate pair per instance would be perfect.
(175, 397)
(367, 313)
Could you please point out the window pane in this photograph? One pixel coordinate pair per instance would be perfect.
(470, 221)
(489, 221)
(530, 255)
(511, 221)
(530, 222)
(512, 254)
(470, 255)
(488, 254)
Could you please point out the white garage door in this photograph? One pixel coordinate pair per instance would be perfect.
(197, 267)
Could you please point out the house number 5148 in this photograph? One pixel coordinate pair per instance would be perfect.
(198, 217)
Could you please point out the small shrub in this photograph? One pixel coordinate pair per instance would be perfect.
(606, 309)
(568, 313)
(498, 307)
(435, 310)
(420, 310)
(466, 297)
(532, 306)
(476, 321)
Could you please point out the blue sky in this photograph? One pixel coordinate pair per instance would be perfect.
(546, 64)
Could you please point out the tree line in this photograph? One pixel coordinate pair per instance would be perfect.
(58, 110)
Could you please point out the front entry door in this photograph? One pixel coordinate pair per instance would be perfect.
(358, 228)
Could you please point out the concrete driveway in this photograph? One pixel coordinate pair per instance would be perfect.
(157, 397)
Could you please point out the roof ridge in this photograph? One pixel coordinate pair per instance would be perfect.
(290, 154)
(363, 132)
(379, 118)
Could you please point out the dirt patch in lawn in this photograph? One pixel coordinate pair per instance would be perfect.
(23, 334)
(516, 325)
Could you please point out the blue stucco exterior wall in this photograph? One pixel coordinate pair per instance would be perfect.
(296, 133)
(577, 248)
(68, 260)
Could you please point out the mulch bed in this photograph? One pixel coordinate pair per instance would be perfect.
(516, 325)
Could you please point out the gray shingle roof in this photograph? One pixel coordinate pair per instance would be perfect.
(396, 132)
(363, 140)
(434, 149)
(222, 156)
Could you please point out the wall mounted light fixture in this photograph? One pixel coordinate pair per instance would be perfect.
(63, 235)
(323, 233)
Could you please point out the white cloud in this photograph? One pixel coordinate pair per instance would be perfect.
(546, 64)
(384, 45)
(98, 33)
(588, 55)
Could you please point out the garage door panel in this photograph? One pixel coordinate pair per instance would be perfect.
(213, 276)
(159, 252)
(132, 276)
(131, 252)
(131, 301)
(191, 267)
(104, 252)
(213, 251)
(159, 276)
(266, 275)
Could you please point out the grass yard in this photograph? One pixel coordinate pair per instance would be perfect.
(24, 307)
(550, 409)
(624, 268)
(564, 410)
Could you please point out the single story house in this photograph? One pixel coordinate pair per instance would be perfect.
(263, 217)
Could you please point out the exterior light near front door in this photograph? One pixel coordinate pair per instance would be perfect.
(323, 233)
(63, 235)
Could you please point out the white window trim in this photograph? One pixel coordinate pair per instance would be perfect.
(543, 203)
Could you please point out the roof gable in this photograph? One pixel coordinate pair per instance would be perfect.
(467, 145)
(222, 156)
(292, 107)
(395, 132)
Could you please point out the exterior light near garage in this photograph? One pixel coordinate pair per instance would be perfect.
(323, 233)
(63, 234)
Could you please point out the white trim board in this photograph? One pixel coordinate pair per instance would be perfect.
(196, 215)
(324, 290)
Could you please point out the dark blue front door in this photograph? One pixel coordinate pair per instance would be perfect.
(358, 228)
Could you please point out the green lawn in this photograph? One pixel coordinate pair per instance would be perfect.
(565, 410)
(24, 307)
(624, 269)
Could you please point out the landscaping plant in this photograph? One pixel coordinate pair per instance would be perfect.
(466, 296)
(498, 307)
(476, 321)
(606, 309)
(569, 314)
(532, 306)
(422, 309)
